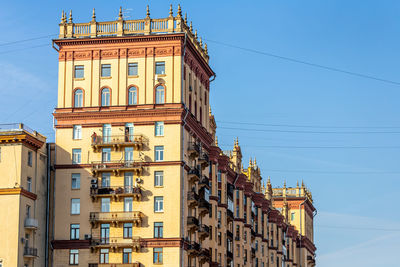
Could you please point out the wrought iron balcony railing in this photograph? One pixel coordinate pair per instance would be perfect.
(193, 149)
(194, 174)
(116, 192)
(31, 223)
(117, 166)
(117, 141)
(193, 198)
(117, 242)
(116, 217)
(30, 252)
(192, 223)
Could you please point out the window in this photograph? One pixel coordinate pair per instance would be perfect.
(237, 250)
(77, 132)
(75, 181)
(219, 179)
(132, 96)
(106, 133)
(78, 98)
(106, 154)
(30, 158)
(132, 69)
(159, 153)
(76, 156)
(74, 232)
(158, 229)
(104, 255)
(129, 128)
(159, 128)
(28, 211)
(292, 216)
(128, 181)
(105, 70)
(157, 255)
(219, 238)
(105, 97)
(29, 184)
(129, 154)
(75, 206)
(79, 71)
(160, 94)
(105, 233)
(160, 67)
(105, 204)
(127, 255)
(158, 204)
(128, 204)
(127, 230)
(105, 179)
(158, 178)
(73, 256)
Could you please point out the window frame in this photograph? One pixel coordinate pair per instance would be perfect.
(158, 204)
(77, 70)
(159, 128)
(77, 181)
(133, 65)
(77, 206)
(29, 184)
(157, 255)
(158, 230)
(158, 178)
(73, 256)
(158, 153)
(30, 158)
(159, 94)
(74, 232)
(159, 68)
(77, 132)
(103, 68)
(105, 97)
(78, 98)
(132, 100)
(76, 152)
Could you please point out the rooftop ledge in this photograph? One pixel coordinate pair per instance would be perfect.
(121, 27)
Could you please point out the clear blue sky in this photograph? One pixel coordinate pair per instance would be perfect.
(355, 189)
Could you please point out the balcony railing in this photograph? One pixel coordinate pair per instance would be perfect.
(193, 198)
(194, 174)
(117, 166)
(31, 223)
(204, 182)
(192, 222)
(30, 252)
(204, 231)
(116, 217)
(116, 192)
(229, 234)
(117, 141)
(194, 248)
(204, 206)
(229, 255)
(229, 214)
(204, 255)
(116, 242)
(193, 149)
(203, 158)
(136, 264)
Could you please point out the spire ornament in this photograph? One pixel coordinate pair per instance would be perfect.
(216, 140)
(186, 21)
(94, 15)
(205, 49)
(147, 12)
(195, 34)
(63, 17)
(171, 12)
(191, 27)
(179, 11)
(120, 13)
(70, 16)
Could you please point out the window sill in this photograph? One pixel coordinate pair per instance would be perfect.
(158, 186)
(75, 189)
(75, 214)
(161, 75)
(133, 76)
(107, 77)
(159, 211)
(79, 79)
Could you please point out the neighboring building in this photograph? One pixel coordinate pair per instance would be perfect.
(140, 179)
(23, 196)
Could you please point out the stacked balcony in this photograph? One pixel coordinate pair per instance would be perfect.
(204, 255)
(193, 149)
(117, 167)
(194, 248)
(116, 192)
(116, 243)
(117, 142)
(203, 231)
(194, 174)
(253, 252)
(192, 223)
(229, 214)
(30, 252)
(193, 199)
(116, 217)
(31, 224)
(204, 182)
(203, 158)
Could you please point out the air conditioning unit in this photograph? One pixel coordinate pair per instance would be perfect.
(94, 186)
(88, 237)
(93, 181)
(139, 180)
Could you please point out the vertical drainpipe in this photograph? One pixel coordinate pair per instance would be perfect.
(182, 230)
(46, 254)
(301, 229)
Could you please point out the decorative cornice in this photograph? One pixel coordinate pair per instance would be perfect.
(144, 164)
(18, 191)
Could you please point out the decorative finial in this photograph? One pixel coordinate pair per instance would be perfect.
(255, 161)
(186, 21)
(297, 185)
(209, 111)
(216, 140)
(148, 12)
(94, 15)
(70, 16)
(179, 11)
(171, 13)
(250, 163)
(195, 34)
(63, 17)
(191, 27)
(284, 183)
(201, 42)
(120, 13)
(269, 181)
(205, 49)
(302, 183)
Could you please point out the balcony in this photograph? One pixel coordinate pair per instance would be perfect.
(193, 149)
(31, 223)
(192, 198)
(117, 141)
(204, 182)
(30, 252)
(203, 159)
(134, 217)
(204, 255)
(204, 206)
(117, 192)
(192, 223)
(116, 242)
(193, 248)
(253, 252)
(117, 166)
(229, 214)
(229, 255)
(204, 231)
(194, 174)
(229, 234)
(230, 189)
(136, 264)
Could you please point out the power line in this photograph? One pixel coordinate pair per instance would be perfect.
(359, 228)
(27, 40)
(331, 172)
(306, 63)
(313, 132)
(321, 147)
(310, 126)
(19, 49)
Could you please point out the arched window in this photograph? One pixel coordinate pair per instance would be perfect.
(105, 97)
(78, 98)
(160, 94)
(132, 96)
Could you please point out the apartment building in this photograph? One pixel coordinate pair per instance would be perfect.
(23, 196)
(140, 179)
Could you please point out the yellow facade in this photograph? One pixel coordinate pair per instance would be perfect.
(23, 195)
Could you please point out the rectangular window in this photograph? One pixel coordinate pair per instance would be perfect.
(106, 133)
(106, 154)
(79, 71)
(219, 178)
(28, 211)
(159, 128)
(73, 256)
(219, 238)
(74, 232)
(76, 156)
(132, 69)
(77, 132)
(129, 154)
(159, 153)
(158, 229)
(105, 233)
(75, 181)
(105, 205)
(157, 255)
(30, 158)
(104, 255)
(128, 204)
(105, 179)
(75, 206)
(29, 184)
(127, 255)
(160, 67)
(158, 178)
(127, 230)
(158, 204)
(105, 70)
(292, 216)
